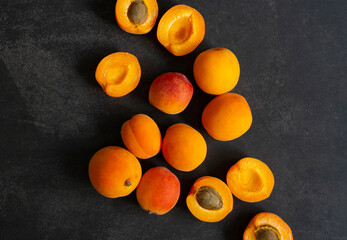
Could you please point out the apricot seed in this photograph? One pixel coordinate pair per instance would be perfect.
(209, 198)
(137, 12)
(266, 233)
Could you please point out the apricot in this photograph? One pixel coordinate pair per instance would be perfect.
(136, 16)
(250, 180)
(171, 92)
(158, 191)
(184, 148)
(227, 117)
(114, 172)
(267, 226)
(141, 135)
(216, 71)
(209, 199)
(118, 74)
(181, 29)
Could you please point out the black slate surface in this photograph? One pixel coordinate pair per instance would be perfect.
(54, 117)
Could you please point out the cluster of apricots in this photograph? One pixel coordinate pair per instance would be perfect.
(116, 172)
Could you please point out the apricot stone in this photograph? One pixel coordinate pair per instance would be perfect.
(227, 117)
(184, 148)
(114, 172)
(158, 190)
(141, 136)
(171, 92)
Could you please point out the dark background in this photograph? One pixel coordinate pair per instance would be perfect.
(54, 117)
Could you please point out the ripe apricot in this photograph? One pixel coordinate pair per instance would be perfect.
(216, 71)
(136, 16)
(184, 148)
(209, 199)
(171, 92)
(118, 74)
(158, 190)
(141, 136)
(114, 172)
(267, 226)
(181, 30)
(227, 117)
(250, 180)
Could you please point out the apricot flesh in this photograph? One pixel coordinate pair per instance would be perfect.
(141, 135)
(158, 190)
(227, 117)
(114, 172)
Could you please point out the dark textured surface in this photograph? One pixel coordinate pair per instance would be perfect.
(54, 116)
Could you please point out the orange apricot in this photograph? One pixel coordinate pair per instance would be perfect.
(250, 180)
(158, 190)
(209, 199)
(267, 226)
(118, 73)
(181, 30)
(141, 135)
(216, 71)
(184, 148)
(114, 172)
(171, 92)
(136, 16)
(227, 117)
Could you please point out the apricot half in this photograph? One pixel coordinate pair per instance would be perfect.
(216, 71)
(227, 117)
(136, 16)
(114, 172)
(158, 191)
(118, 73)
(184, 148)
(209, 199)
(141, 135)
(171, 92)
(250, 180)
(181, 30)
(267, 226)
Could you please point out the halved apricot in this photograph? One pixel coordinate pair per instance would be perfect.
(118, 74)
(250, 180)
(267, 226)
(181, 30)
(209, 199)
(136, 16)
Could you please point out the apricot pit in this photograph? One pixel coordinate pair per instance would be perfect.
(137, 12)
(209, 198)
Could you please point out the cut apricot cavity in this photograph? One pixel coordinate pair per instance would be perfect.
(267, 226)
(250, 180)
(136, 16)
(141, 135)
(114, 172)
(118, 73)
(158, 191)
(181, 30)
(209, 199)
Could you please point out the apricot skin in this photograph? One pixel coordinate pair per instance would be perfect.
(216, 71)
(181, 29)
(171, 92)
(184, 148)
(114, 172)
(158, 190)
(268, 221)
(227, 117)
(141, 136)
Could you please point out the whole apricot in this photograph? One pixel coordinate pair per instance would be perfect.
(184, 148)
(141, 135)
(216, 71)
(171, 92)
(227, 117)
(114, 172)
(158, 190)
